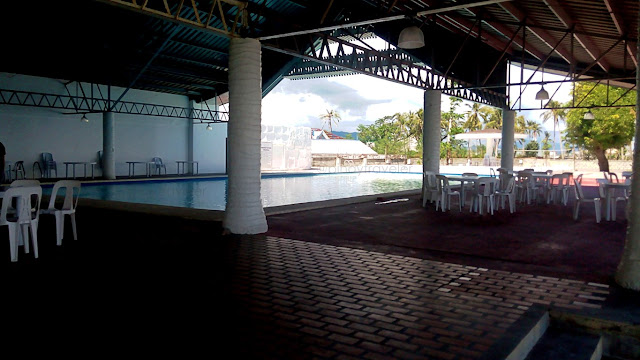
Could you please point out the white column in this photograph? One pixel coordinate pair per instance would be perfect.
(431, 131)
(628, 273)
(244, 213)
(108, 146)
(508, 130)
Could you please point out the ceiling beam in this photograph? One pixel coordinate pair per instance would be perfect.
(583, 40)
(493, 41)
(544, 36)
(618, 22)
(382, 19)
(229, 27)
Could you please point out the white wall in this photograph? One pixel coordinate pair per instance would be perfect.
(209, 148)
(28, 131)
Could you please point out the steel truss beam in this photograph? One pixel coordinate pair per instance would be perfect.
(213, 17)
(82, 104)
(393, 66)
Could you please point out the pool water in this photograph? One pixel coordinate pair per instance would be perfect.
(276, 190)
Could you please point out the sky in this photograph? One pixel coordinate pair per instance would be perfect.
(362, 99)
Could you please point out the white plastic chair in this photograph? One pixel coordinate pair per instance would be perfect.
(24, 222)
(580, 199)
(429, 187)
(24, 182)
(528, 189)
(558, 188)
(485, 189)
(159, 165)
(445, 193)
(508, 192)
(71, 195)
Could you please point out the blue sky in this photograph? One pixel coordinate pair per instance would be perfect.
(362, 99)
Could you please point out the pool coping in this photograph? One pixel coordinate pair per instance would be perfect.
(218, 215)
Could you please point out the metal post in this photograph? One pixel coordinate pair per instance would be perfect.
(108, 147)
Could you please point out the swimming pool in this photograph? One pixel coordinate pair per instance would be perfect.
(276, 190)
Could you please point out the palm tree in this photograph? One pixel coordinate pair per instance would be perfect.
(493, 118)
(558, 116)
(520, 126)
(474, 116)
(533, 129)
(330, 118)
(473, 122)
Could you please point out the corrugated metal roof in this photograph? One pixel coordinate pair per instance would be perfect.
(96, 41)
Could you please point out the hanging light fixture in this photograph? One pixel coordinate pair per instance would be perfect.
(84, 118)
(209, 127)
(589, 115)
(411, 38)
(542, 94)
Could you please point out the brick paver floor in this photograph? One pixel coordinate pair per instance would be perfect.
(297, 299)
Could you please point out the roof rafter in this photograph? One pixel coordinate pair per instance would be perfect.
(492, 40)
(617, 21)
(513, 10)
(583, 40)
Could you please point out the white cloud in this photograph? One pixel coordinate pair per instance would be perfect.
(293, 109)
(362, 99)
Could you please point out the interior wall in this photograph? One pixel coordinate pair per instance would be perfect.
(27, 131)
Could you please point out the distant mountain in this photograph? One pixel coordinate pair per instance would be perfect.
(343, 134)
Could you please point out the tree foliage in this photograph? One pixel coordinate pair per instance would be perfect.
(613, 127)
(401, 133)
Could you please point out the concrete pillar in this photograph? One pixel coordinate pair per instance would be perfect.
(108, 146)
(508, 130)
(244, 213)
(431, 131)
(628, 273)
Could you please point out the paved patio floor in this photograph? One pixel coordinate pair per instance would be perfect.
(359, 281)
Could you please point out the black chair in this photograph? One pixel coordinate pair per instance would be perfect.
(18, 169)
(48, 165)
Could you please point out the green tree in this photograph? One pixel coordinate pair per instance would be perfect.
(558, 115)
(612, 127)
(493, 117)
(450, 124)
(383, 135)
(532, 145)
(348, 136)
(415, 128)
(330, 118)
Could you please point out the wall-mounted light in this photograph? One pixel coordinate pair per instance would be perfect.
(411, 38)
(84, 118)
(209, 127)
(589, 115)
